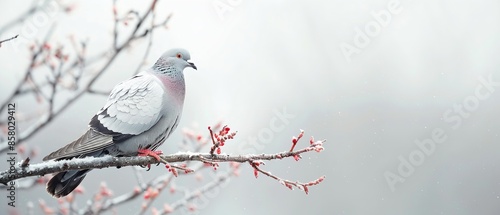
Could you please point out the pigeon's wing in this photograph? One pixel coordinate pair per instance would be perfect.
(89, 142)
(133, 107)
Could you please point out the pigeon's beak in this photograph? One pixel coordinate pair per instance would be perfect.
(192, 65)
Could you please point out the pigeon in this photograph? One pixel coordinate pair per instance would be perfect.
(139, 115)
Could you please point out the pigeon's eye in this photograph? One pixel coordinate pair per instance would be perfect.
(178, 55)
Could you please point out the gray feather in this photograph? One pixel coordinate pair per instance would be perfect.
(89, 142)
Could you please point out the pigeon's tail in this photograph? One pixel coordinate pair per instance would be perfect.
(64, 183)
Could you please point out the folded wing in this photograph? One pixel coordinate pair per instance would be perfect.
(133, 107)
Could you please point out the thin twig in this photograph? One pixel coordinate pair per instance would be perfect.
(6, 40)
(108, 161)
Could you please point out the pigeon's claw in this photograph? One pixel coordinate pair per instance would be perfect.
(148, 152)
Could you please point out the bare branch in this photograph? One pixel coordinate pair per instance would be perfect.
(6, 40)
(284, 182)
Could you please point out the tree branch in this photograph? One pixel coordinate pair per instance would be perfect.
(6, 40)
(49, 167)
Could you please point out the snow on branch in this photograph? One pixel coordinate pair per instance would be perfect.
(24, 169)
(49, 167)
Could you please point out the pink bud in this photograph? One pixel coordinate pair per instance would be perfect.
(33, 153)
(318, 148)
(46, 46)
(155, 211)
(174, 171)
(301, 133)
(21, 149)
(192, 207)
(306, 189)
(137, 190)
(79, 189)
(234, 165)
(41, 180)
(198, 177)
(167, 208)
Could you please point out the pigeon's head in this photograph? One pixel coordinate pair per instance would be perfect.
(178, 58)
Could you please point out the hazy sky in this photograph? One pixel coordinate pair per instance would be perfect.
(405, 92)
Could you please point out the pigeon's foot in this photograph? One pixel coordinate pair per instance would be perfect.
(147, 152)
